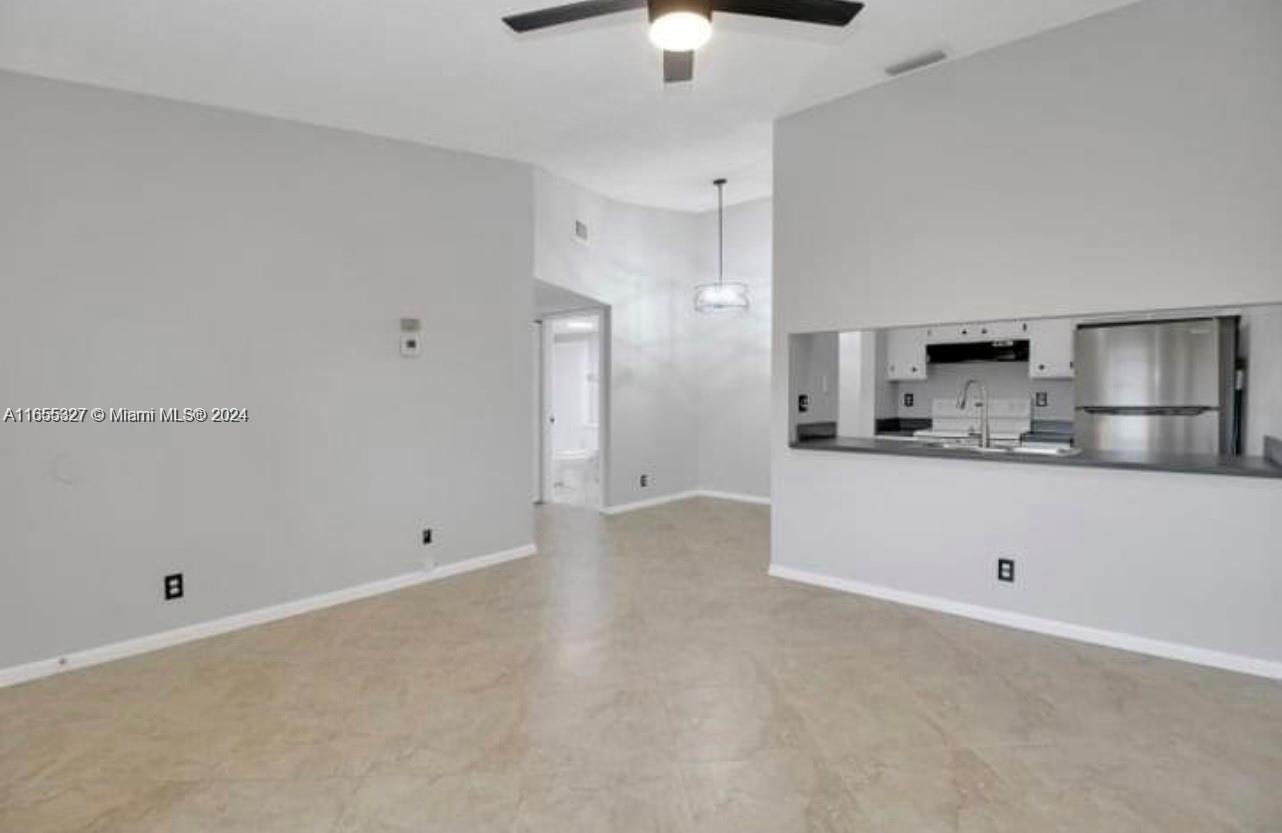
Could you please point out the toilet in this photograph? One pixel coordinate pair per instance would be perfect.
(575, 468)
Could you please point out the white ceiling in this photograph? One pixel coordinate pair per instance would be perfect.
(584, 101)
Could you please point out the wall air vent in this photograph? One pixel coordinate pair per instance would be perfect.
(918, 62)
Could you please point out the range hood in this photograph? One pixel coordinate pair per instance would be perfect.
(1001, 350)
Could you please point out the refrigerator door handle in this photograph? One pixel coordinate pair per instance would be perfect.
(1149, 410)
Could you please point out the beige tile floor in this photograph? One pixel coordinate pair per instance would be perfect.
(641, 674)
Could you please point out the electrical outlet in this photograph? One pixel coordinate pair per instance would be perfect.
(173, 586)
(908, 400)
(427, 536)
(1006, 569)
(803, 403)
(1041, 399)
(645, 480)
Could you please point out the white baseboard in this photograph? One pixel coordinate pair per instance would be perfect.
(735, 496)
(620, 508)
(1050, 627)
(202, 630)
(480, 562)
(686, 495)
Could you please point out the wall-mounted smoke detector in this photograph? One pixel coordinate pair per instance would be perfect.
(916, 63)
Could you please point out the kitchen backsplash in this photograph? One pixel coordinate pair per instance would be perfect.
(1003, 379)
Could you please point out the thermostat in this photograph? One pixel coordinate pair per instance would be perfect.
(411, 337)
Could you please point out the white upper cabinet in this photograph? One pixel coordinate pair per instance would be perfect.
(1051, 348)
(1050, 345)
(906, 354)
(981, 331)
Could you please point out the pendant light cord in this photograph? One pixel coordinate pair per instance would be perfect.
(721, 231)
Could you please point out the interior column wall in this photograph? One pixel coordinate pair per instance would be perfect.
(1125, 162)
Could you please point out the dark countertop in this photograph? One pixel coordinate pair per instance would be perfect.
(1031, 437)
(1187, 463)
(1044, 430)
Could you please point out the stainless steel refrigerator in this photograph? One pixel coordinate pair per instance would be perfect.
(1157, 386)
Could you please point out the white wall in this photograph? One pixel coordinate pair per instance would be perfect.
(1125, 162)
(160, 254)
(689, 400)
(731, 355)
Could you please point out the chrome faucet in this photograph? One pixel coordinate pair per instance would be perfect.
(985, 439)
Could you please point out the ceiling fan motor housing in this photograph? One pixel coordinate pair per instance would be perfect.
(658, 8)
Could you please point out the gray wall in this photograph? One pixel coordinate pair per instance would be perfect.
(815, 373)
(1262, 337)
(638, 261)
(1126, 162)
(160, 254)
(549, 300)
(731, 355)
(690, 393)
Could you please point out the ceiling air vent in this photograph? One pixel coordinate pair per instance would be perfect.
(916, 63)
(581, 231)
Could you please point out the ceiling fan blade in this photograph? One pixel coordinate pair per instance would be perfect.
(569, 13)
(678, 67)
(823, 12)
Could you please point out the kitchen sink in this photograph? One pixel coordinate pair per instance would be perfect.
(1044, 450)
(1047, 450)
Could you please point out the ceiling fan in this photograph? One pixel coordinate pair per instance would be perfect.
(679, 27)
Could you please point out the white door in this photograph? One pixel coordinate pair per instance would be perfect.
(547, 417)
(536, 345)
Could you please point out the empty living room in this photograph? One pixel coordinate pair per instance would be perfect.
(640, 416)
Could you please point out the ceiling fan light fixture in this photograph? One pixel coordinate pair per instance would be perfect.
(679, 27)
(680, 31)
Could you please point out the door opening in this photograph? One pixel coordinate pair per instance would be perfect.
(573, 371)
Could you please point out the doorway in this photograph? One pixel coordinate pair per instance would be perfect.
(572, 408)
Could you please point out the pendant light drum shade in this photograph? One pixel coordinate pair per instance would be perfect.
(717, 297)
(721, 296)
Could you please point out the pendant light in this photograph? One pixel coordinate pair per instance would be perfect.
(719, 296)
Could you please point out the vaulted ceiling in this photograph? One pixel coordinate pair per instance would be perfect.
(585, 101)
